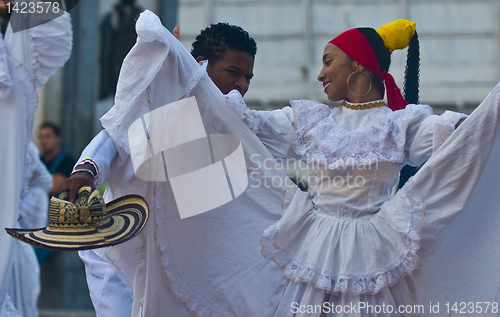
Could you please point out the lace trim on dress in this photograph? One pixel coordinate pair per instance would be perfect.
(195, 79)
(320, 139)
(178, 286)
(234, 99)
(363, 283)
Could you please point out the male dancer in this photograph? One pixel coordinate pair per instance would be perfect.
(230, 54)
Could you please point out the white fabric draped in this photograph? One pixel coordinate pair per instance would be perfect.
(205, 260)
(462, 265)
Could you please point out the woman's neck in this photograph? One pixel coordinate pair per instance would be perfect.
(373, 95)
(364, 105)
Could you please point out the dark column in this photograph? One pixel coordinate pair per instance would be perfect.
(79, 83)
(168, 11)
(62, 274)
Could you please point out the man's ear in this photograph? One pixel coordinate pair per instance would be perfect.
(200, 58)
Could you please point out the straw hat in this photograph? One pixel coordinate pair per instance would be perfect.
(87, 223)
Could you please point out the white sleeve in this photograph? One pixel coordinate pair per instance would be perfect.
(276, 131)
(425, 135)
(274, 128)
(102, 151)
(42, 49)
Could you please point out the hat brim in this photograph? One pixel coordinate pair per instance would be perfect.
(127, 216)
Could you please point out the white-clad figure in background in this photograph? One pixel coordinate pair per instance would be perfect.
(33, 211)
(24, 283)
(27, 58)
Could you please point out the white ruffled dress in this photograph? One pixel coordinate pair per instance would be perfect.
(351, 241)
(344, 237)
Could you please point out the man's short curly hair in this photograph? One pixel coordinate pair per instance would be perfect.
(215, 40)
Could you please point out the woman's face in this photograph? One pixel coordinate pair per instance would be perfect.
(337, 67)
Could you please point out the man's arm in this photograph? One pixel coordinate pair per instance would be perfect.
(93, 165)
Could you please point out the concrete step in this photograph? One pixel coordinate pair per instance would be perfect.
(65, 313)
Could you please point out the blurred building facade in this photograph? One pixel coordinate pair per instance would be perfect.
(459, 40)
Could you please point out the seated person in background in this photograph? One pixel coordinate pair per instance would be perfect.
(58, 162)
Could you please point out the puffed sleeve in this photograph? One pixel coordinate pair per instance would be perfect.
(426, 133)
(274, 128)
(101, 151)
(42, 49)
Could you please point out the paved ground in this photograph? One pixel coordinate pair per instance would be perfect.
(66, 313)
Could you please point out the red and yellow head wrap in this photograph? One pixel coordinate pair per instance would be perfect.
(396, 35)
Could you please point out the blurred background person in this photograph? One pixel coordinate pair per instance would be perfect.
(57, 161)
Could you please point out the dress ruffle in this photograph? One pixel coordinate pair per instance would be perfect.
(320, 139)
(179, 287)
(197, 76)
(235, 100)
(357, 255)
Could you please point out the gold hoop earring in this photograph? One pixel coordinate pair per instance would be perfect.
(369, 88)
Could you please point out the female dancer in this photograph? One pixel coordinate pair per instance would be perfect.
(350, 249)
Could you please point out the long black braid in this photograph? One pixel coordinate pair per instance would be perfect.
(412, 71)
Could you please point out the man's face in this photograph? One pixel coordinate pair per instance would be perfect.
(49, 141)
(233, 71)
